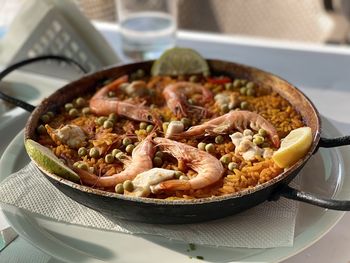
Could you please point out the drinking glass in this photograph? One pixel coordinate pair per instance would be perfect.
(148, 27)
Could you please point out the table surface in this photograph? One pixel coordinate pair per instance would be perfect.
(322, 72)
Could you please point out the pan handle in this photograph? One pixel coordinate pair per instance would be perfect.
(334, 142)
(20, 103)
(291, 193)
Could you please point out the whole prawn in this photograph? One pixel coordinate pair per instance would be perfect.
(100, 104)
(141, 161)
(176, 94)
(209, 169)
(238, 120)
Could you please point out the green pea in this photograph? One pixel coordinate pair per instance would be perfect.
(143, 125)
(262, 132)
(225, 108)
(126, 141)
(124, 86)
(186, 122)
(94, 153)
(190, 101)
(225, 159)
(201, 146)
(82, 151)
(50, 114)
(193, 78)
(244, 105)
(83, 166)
(237, 83)
(206, 73)
(120, 155)
(128, 186)
(228, 86)
(159, 154)
(178, 174)
(41, 129)
(80, 102)
(45, 118)
(219, 139)
(243, 91)
(111, 94)
(149, 128)
(232, 165)
(115, 151)
(258, 140)
(91, 169)
(210, 148)
(76, 164)
(250, 85)
(112, 117)
(157, 161)
(247, 132)
(250, 92)
(109, 158)
(73, 112)
(119, 189)
(232, 105)
(165, 126)
(140, 73)
(101, 120)
(108, 124)
(86, 110)
(68, 106)
(129, 148)
(244, 82)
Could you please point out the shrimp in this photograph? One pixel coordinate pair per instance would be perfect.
(176, 96)
(141, 161)
(238, 120)
(209, 169)
(100, 104)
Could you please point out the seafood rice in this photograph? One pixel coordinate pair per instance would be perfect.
(181, 137)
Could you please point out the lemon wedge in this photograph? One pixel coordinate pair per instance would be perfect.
(293, 147)
(48, 161)
(179, 61)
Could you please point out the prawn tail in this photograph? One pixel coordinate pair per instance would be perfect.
(157, 122)
(275, 140)
(202, 112)
(51, 133)
(171, 185)
(86, 177)
(116, 83)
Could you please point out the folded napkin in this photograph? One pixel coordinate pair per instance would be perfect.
(270, 224)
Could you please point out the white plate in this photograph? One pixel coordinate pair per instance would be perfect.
(323, 174)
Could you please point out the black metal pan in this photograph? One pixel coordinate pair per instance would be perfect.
(150, 210)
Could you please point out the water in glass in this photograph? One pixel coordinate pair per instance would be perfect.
(147, 34)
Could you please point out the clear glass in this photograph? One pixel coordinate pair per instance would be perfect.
(148, 27)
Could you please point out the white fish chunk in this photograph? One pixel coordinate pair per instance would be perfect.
(143, 182)
(72, 135)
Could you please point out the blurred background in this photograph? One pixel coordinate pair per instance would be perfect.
(315, 21)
